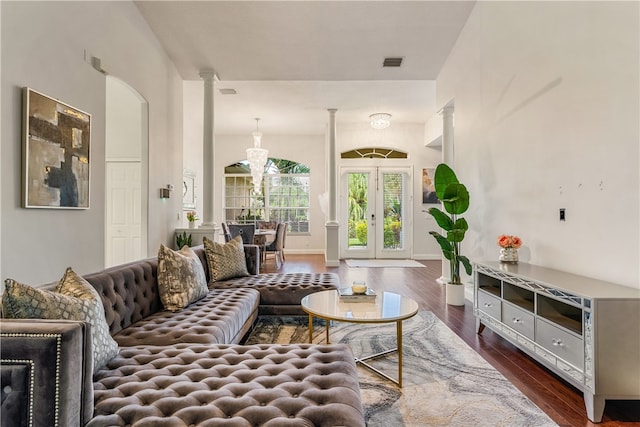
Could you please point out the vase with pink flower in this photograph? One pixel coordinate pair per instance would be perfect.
(509, 246)
(192, 217)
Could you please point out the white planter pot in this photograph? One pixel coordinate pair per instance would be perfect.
(192, 224)
(455, 294)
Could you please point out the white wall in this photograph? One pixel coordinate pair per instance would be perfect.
(123, 133)
(546, 114)
(43, 45)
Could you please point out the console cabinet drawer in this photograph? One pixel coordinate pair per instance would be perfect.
(489, 304)
(563, 344)
(518, 320)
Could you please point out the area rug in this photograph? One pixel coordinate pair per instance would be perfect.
(383, 263)
(445, 382)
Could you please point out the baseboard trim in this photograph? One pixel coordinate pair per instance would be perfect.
(427, 257)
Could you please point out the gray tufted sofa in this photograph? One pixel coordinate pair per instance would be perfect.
(179, 369)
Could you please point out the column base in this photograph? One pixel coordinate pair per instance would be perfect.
(332, 251)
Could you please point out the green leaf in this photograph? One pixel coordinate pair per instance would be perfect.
(461, 224)
(443, 220)
(447, 249)
(466, 263)
(455, 235)
(455, 199)
(443, 177)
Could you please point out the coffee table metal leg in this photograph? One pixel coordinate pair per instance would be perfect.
(362, 360)
(399, 341)
(326, 326)
(310, 329)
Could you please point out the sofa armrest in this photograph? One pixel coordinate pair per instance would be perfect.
(46, 372)
(252, 255)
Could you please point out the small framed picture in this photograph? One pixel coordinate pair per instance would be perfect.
(428, 187)
(188, 190)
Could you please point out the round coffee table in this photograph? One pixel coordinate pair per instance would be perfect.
(387, 307)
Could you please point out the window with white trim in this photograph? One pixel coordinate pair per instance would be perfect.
(285, 195)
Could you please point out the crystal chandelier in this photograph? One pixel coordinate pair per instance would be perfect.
(257, 158)
(380, 120)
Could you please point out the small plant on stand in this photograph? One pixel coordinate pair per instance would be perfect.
(183, 239)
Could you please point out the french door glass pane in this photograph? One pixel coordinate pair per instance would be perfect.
(392, 199)
(358, 227)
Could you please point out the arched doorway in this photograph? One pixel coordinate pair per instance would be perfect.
(126, 181)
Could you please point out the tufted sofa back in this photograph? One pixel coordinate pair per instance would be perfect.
(130, 291)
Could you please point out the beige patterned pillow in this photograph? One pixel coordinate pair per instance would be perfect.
(227, 260)
(73, 299)
(181, 278)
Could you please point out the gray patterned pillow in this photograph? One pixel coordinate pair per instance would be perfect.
(181, 278)
(227, 260)
(73, 299)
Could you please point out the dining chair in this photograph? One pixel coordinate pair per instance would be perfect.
(276, 246)
(284, 239)
(246, 231)
(225, 231)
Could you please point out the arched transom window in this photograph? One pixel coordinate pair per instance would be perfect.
(373, 153)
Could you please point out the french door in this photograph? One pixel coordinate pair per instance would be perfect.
(375, 209)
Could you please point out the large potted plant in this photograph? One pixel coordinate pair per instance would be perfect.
(455, 201)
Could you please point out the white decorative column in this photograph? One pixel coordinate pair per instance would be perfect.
(447, 157)
(208, 179)
(332, 253)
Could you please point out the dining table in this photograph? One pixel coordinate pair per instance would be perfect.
(264, 236)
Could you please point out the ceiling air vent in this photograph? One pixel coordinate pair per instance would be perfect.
(392, 62)
(228, 91)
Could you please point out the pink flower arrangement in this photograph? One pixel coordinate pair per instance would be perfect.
(192, 216)
(506, 241)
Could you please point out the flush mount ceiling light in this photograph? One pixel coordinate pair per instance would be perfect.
(257, 157)
(380, 120)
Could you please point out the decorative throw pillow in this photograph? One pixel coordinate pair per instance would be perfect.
(227, 260)
(181, 278)
(73, 299)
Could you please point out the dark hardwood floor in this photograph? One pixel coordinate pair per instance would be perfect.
(562, 402)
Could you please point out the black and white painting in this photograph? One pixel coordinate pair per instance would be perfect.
(55, 153)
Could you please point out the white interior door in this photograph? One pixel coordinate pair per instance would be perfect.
(124, 221)
(375, 211)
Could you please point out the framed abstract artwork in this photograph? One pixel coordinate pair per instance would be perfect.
(55, 153)
(428, 187)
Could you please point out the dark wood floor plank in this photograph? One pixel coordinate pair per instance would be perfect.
(561, 401)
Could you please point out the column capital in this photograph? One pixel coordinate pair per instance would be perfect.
(208, 75)
(332, 110)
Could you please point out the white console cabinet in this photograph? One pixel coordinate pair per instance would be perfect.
(586, 331)
(198, 234)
